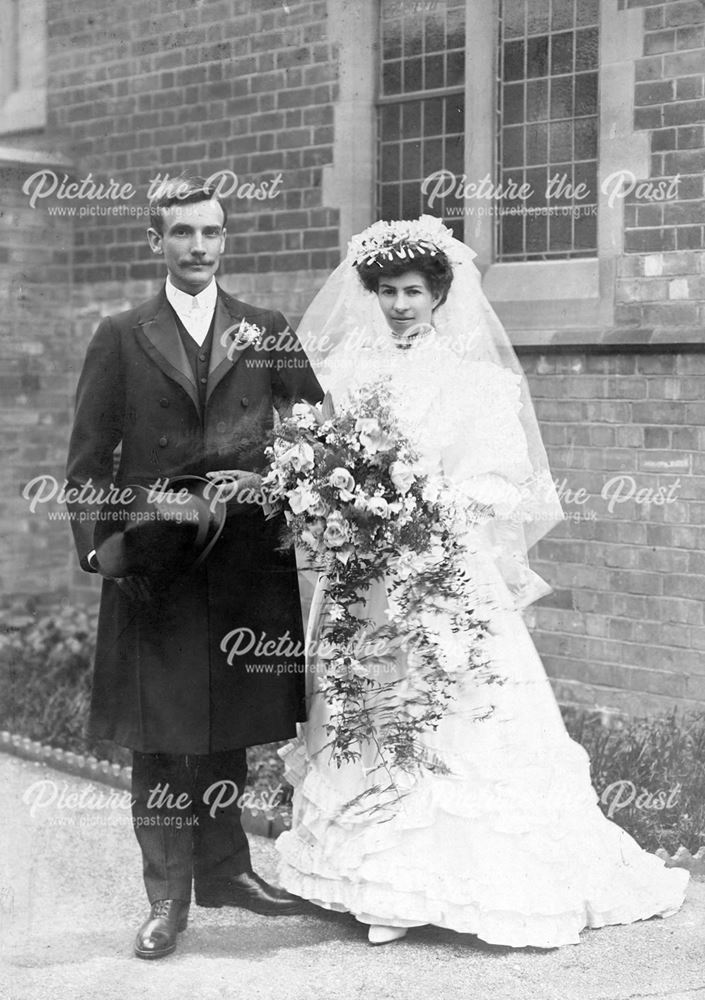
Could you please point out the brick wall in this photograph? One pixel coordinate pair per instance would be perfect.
(625, 625)
(657, 287)
(245, 86)
(35, 333)
(626, 440)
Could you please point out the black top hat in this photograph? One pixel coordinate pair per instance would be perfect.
(159, 532)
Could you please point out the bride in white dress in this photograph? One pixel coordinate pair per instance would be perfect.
(510, 844)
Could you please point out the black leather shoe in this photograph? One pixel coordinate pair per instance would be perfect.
(250, 892)
(157, 935)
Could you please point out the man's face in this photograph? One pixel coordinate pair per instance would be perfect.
(192, 240)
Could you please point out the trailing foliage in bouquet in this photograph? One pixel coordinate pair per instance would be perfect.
(359, 506)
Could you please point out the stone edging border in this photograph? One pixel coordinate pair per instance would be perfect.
(695, 863)
(253, 822)
(115, 775)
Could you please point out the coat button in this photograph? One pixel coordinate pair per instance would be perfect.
(221, 427)
(203, 381)
(164, 402)
(245, 401)
(163, 441)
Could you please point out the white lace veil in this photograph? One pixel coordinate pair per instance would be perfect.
(345, 322)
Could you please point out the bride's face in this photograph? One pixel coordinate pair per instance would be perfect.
(406, 301)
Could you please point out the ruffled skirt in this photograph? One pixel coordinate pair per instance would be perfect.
(511, 845)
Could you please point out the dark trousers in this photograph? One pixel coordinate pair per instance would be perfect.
(187, 821)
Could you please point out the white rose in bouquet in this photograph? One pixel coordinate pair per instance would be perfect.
(343, 481)
(336, 532)
(402, 475)
(378, 506)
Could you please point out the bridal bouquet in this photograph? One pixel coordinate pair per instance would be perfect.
(358, 504)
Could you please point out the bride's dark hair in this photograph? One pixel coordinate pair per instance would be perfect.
(435, 269)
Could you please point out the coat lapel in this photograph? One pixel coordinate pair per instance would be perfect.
(224, 352)
(163, 344)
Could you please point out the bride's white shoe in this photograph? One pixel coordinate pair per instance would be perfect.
(383, 934)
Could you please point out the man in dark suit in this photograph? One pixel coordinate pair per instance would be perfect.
(184, 387)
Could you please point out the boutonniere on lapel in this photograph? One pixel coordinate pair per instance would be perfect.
(246, 335)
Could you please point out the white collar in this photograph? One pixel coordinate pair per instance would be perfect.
(407, 345)
(183, 302)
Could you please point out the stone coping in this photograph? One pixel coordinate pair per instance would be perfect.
(611, 341)
(29, 156)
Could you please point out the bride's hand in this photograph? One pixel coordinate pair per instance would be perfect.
(237, 487)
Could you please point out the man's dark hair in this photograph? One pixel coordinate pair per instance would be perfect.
(436, 270)
(181, 191)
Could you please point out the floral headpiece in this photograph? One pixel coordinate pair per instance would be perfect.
(404, 238)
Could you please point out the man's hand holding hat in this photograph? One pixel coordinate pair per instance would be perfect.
(135, 586)
(153, 535)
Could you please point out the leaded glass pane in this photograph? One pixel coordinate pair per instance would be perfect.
(421, 112)
(548, 88)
